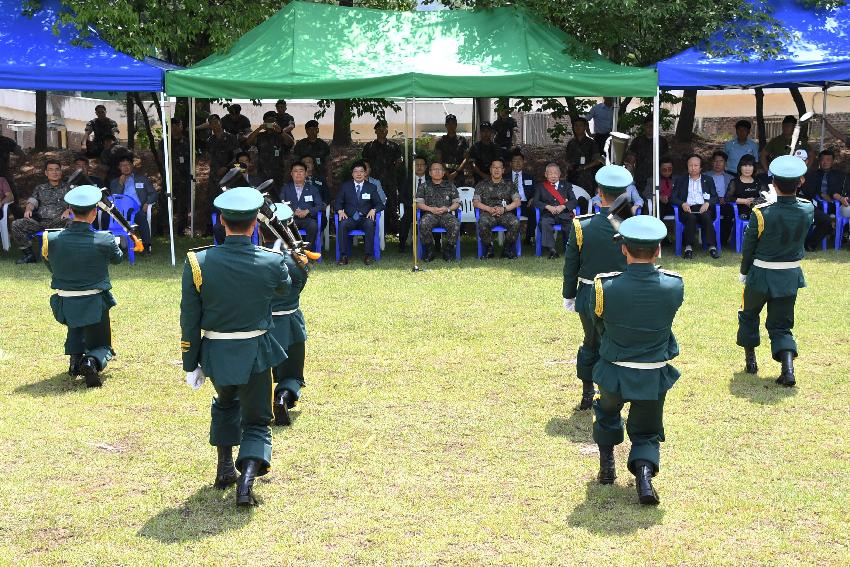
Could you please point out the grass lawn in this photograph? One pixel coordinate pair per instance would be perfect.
(437, 428)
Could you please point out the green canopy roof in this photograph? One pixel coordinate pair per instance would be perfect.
(325, 51)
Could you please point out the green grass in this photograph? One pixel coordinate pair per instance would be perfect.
(437, 428)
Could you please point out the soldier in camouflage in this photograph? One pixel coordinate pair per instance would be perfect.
(438, 200)
(495, 198)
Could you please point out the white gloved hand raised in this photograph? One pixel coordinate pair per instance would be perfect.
(570, 305)
(742, 278)
(278, 244)
(196, 378)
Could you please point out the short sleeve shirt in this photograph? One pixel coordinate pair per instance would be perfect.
(779, 146)
(504, 131)
(319, 150)
(484, 154)
(452, 150)
(102, 128)
(235, 125)
(382, 158)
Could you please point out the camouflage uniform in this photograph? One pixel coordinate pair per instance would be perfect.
(49, 205)
(442, 195)
(496, 195)
(270, 151)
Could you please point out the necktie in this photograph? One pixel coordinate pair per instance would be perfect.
(357, 188)
(421, 183)
(516, 180)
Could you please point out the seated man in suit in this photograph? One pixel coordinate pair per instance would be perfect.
(556, 202)
(139, 187)
(357, 203)
(305, 200)
(523, 180)
(419, 179)
(696, 195)
(823, 182)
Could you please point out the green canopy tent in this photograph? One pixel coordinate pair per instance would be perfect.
(326, 51)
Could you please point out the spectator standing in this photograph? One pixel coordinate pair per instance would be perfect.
(438, 200)
(45, 209)
(137, 186)
(741, 146)
(696, 196)
(314, 147)
(483, 152)
(96, 130)
(273, 143)
(236, 123)
(583, 157)
(556, 202)
(642, 148)
(357, 204)
(384, 156)
(602, 115)
(222, 146)
(781, 144)
(497, 199)
(451, 149)
(505, 128)
(181, 180)
(283, 119)
(113, 152)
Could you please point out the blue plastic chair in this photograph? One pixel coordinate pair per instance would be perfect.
(439, 230)
(376, 253)
(127, 206)
(840, 222)
(538, 246)
(496, 229)
(317, 247)
(740, 227)
(255, 238)
(680, 228)
(638, 211)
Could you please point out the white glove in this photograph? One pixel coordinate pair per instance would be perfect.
(196, 378)
(570, 305)
(742, 278)
(118, 241)
(277, 245)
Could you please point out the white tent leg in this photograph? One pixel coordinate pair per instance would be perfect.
(413, 223)
(656, 148)
(190, 128)
(166, 160)
(616, 114)
(823, 122)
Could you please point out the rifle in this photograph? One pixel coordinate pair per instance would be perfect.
(109, 208)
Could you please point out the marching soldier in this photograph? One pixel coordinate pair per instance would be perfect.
(497, 199)
(438, 200)
(636, 309)
(774, 244)
(290, 331)
(235, 350)
(591, 250)
(79, 259)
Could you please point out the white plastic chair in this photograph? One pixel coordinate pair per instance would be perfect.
(4, 228)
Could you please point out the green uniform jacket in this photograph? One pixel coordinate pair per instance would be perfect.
(637, 309)
(591, 250)
(776, 233)
(79, 259)
(228, 289)
(290, 329)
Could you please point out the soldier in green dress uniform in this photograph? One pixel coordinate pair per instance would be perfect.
(227, 291)
(636, 308)
(79, 259)
(290, 331)
(591, 250)
(774, 244)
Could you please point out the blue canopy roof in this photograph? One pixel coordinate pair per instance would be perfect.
(817, 55)
(32, 57)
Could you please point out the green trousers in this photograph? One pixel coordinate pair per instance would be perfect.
(588, 351)
(92, 340)
(645, 426)
(241, 415)
(289, 375)
(779, 322)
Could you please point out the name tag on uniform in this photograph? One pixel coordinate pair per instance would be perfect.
(526, 181)
(308, 198)
(319, 183)
(140, 185)
(706, 196)
(366, 196)
(181, 160)
(319, 162)
(276, 152)
(582, 160)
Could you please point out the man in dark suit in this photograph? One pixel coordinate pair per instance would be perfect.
(823, 182)
(523, 180)
(419, 179)
(696, 195)
(556, 201)
(139, 187)
(305, 200)
(357, 203)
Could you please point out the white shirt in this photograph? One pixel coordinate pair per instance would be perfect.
(695, 196)
(298, 190)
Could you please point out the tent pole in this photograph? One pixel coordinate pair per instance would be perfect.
(190, 128)
(413, 223)
(823, 121)
(166, 159)
(616, 114)
(656, 143)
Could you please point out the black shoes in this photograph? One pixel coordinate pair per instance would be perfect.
(488, 252)
(714, 253)
(607, 470)
(28, 257)
(553, 254)
(89, 371)
(786, 377)
(225, 472)
(281, 408)
(750, 363)
(688, 255)
(643, 482)
(587, 393)
(428, 254)
(509, 250)
(448, 254)
(343, 261)
(245, 487)
(74, 365)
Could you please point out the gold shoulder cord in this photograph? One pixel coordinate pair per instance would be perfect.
(759, 220)
(579, 234)
(196, 270)
(44, 244)
(597, 284)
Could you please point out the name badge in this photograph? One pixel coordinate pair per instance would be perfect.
(276, 152)
(181, 160)
(365, 195)
(308, 198)
(527, 181)
(318, 161)
(582, 160)
(706, 196)
(140, 185)
(319, 183)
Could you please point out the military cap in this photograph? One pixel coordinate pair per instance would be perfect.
(486, 126)
(239, 203)
(380, 124)
(614, 179)
(312, 124)
(84, 197)
(282, 212)
(801, 153)
(788, 167)
(451, 118)
(643, 230)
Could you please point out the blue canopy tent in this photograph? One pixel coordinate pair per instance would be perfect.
(35, 58)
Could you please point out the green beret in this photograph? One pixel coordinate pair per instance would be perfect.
(239, 203)
(282, 212)
(84, 197)
(788, 167)
(643, 230)
(614, 179)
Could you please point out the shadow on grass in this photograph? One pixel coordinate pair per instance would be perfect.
(578, 427)
(206, 513)
(759, 390)
(613, 509)
(54, 386)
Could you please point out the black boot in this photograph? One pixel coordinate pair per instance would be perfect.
(89, 371)
(786, 378)
(27, 258)
(643, 483)
(244, 490)
(74, 365)
(607, 470)
(587, 393)
(750, 363)
(225, 472)
(488, 252)
(281, 409)
(448, 254)
(427, 254)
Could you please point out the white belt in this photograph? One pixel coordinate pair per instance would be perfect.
(279, 313)
(586, 281)
(642, 365)
(776, 265)
(236, 335)
(66, 293)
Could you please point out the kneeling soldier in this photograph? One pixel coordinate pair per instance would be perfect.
(227, 291)
(637, 308)
(79, 259)
(774, 244)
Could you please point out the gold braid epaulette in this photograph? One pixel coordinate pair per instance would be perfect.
(600, 305)
(579, 233)
(760, 220)
(192, 258)
(44, 243)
